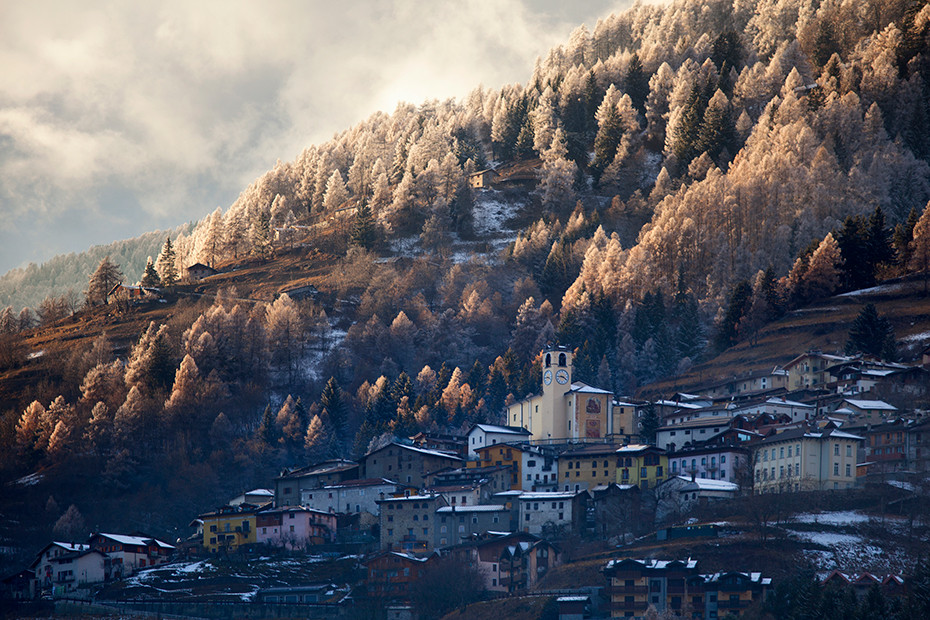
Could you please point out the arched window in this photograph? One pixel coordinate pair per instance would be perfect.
(548, 360)
(561, 359)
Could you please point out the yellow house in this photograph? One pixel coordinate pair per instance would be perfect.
(642, 465)
(229, 528)
(588, 467)
(501, 454)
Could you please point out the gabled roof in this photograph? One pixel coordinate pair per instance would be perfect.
(501, 430)
(472, 508)
(424, 451)
(870, 404)
(134, 540)
(580, 387)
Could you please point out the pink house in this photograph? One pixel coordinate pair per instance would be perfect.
(294, 527)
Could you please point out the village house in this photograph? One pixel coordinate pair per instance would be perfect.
(294, 527)
(229, 528)
(510, 562)
(885, 446)
(810, 369)
(803, 459)
(482, 179)
(502, 455)
(626, 418)
(748, 383)
(616, 508)
(487, 480)
(408, 523)
(351, 497)
(482, 435)
(680, 495)
(588, 466)
(443, 442)
(391, 573)
(918, 446)
(777, 406)
(676, 436)
(714, 462)
(642, 465)
(552, 513)
(860, 412)
(127, 554)
(455, 524)
(60, 568)
(199, 271)
(405, 464)
(539, 468)
(633, 585)
(290, 484)
(256, 497)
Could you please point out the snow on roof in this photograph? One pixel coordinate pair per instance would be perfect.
(634, 447)
(680, 405)
(473, 508)
(265, 492)
(654, 563)
(546, 495)
(622, 403)
(71, 546)
(505, 430)
(572, 599)
(512, 492)
(135, 540)
(363, 482)
(446, 455)
(409, 498)
(870, 404)
(793, 403)
(706, 484)
(584, 388)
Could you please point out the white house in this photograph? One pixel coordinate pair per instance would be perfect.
(60, 567)
(672, 437)
(455, 524)
(775, 406)
(482, 435)
(679, 495)
(350, 496)
(539, 511)
(723, 462)
(539, 471)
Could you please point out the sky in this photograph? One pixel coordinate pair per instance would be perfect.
(118, 117)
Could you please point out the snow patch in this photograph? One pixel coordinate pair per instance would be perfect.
(881, 288)
(30, 480)
(921, 337)
(843, 517)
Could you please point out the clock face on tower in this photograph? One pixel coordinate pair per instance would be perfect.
(547, 378)
(562, 377)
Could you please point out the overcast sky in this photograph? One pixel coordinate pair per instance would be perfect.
(119, 117)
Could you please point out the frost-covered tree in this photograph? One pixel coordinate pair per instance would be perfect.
(167, 264)
(150, 277)
(336, 193)
(102, 281)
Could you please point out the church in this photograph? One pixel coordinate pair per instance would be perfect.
(566, 409)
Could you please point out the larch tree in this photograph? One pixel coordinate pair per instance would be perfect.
(919, 247)
(336, 193)
(102, 281)
(27, 429)
(71, 525)
(824, 273)
(167, 264)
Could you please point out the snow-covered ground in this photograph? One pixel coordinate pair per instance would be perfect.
(845, 517)
(881, 288)
(845, 542)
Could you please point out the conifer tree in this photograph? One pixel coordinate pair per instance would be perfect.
(102, 281)
(150, 277)
(167, 264)
(919, 246)
(872, 334)
(363, 232)
(636, 83)
(260, 235)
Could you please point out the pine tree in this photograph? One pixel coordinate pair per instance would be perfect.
(260, 235)
(102, 281)
(363, 232)
(150, 278)
(872, 334)
(167, 264)
(737, 306)
(636, 83)
(336, 409)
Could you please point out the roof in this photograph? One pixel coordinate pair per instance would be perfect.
(653, 564)
(583, 388)
(410, 498)
(320, 468)
(794, 434)
(589, 449)
(426, 451)
(718, 420)
(870, 404)
(473, 508)
(135, 540)
(636, 447)
(503, 430)
(547, 495)
(706, 484)
(363, 482)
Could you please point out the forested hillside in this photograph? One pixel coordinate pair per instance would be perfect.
(701, 168)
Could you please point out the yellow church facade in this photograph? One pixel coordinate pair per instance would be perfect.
(565, 409)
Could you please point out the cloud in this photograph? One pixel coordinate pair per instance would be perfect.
(152, 114)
